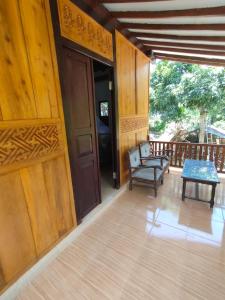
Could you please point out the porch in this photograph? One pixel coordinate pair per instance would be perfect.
(143, 247)
(54, 233)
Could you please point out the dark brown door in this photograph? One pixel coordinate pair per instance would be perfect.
(79, 111)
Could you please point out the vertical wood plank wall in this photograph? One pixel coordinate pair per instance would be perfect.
(36, 199)
(133, 98)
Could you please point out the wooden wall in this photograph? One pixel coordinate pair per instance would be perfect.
(133, 98)
(36, 199)
(79, 27)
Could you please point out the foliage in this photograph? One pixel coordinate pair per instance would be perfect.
(158, 127)
(180, 91)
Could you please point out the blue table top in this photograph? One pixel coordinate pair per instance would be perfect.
(202, 170)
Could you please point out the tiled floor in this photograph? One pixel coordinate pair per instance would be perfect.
(143, 248)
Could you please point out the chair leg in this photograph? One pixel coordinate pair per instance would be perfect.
(162, 180)
(155, 188)
(130, 185)
(168, 171)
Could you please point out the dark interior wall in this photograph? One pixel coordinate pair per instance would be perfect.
(102, 93)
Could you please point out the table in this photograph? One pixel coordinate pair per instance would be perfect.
(200, 171)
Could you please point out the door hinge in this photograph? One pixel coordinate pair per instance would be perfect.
(114, 175)
(110, 85)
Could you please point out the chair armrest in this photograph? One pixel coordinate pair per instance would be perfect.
(162, 156)
(155, 157)
(166, 157)
(150, 167)
(149, 158)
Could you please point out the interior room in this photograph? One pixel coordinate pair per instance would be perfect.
(104, 119)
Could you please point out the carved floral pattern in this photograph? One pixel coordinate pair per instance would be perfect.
(68, 17)
(82, 29)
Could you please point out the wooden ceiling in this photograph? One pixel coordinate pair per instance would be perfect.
(183, 30)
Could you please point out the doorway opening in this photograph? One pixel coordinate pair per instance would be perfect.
(105, 121)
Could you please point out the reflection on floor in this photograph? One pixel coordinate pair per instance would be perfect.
(143, 247)
(107, 189)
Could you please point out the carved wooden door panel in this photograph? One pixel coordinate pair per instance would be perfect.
(79, 110)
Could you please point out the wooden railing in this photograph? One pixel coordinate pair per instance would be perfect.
(181, 151)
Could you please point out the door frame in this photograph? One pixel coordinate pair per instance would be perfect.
(112, 126)
(60, 43)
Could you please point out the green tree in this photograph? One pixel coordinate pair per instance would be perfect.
(180, 90)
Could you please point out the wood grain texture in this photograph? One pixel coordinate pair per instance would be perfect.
(56, 179)
(17, 95)
(133, 98)
(77, 26)
(35, 211)
(2, 280)
(40, 208)
(1, 117)
(125, 62)
(17, 249)
(141, 135)
(33, 14)
(142, 83)
(127, 141)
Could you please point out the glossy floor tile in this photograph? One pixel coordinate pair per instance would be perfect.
(143, 247)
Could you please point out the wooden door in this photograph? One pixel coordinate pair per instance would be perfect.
(80, 121)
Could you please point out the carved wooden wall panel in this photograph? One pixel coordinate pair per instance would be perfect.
(29, 143)
(80, 28)
(36, 197)
(133, 98)
(133, 123)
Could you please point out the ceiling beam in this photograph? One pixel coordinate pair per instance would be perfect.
(180, 50)
(195, 12)
(97, 11)
(191, 59)
(178, 37)
(172, 26)
(183, 45)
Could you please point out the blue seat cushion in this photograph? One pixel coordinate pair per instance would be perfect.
(134, 156)
(145, 149)
(146, 174)
(156, 162)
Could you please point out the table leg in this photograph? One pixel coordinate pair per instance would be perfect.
(184, 189)
(197, 191)
(212, 195)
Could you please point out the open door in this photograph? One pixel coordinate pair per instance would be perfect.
(78, 98)
(105, 127)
